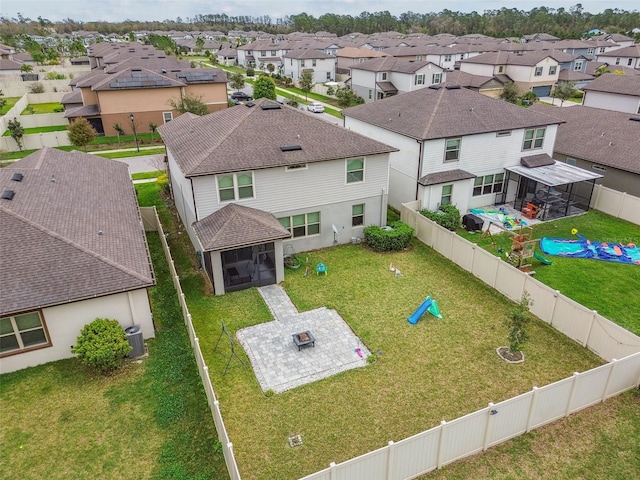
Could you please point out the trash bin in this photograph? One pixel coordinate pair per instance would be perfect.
(134, 336)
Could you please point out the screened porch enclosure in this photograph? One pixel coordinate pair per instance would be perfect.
(246, 267)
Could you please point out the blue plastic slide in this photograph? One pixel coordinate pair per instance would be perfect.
(420, 311)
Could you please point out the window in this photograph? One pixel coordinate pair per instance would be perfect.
(503, 133)
(553, 69)
(313, 62)
(571, 161)
(302, 63)
(383, 76)
(488, 184)
(538, 72)
(618, 61)
(447, 58)
(590, 51)
(436, 78)
(452, 149)
(328, 76)
(447, 190)
(533, 138)
(357, 215)
(167, 116)
(294, 168)
(263, 53)
(369, 94)
(235, 186)
(19, 332)
(273, 53)
(419, 79)
(501, 69)
(419, 58)
(302, 225)
(577, 67)
(602, 49)
(598, 168)
(355, 170)
(629, 62)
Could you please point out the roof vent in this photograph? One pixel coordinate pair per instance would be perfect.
(452, 87)
(290, 148)
(17, 177)
(7, 194)
(435, 87)
(270, 106)
(250, 104)
(634, 119)
(164, 70)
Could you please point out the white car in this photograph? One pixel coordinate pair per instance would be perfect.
(315, 107)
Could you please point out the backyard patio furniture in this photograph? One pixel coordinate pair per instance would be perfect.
(303, 339)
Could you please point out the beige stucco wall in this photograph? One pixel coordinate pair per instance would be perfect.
(64, 323)
(89, 97)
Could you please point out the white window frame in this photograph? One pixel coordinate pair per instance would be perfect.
(536, 141)
(618, 61)
(436, 78)
(301, 225)
(236, 187)
(273, 53)
(590, 51)
(571, 161)
(383, 76)
(296, 168)
(358, 172)
(419, 58)
(578, 65)
(314, 62)
(448, 196)
(166, 115)
(538, 72)
(598, 168)
(418, 79)
(553, 69)
(501, 69)
(357, 219)
(263, 53)
(302, 63)
(488, 184)
(447, 58)
(17, 333)
(452, 149)
(503, 133)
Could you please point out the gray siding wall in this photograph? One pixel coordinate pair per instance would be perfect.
(613, 178)
(611, 101)
(183, 198)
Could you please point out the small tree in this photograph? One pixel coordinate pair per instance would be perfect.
(517, 320)
(510, 93)
(346, 97)
(102, 345)
(564, 91)
(331, 91)
(17, 131)
(306, 83)
(26, 68)
(81, 133)
(236, 80)
(250, 71)
(264, 87)
(271, 68)
(119, 130)
(153, 127)
(36, 88)
(190, 103)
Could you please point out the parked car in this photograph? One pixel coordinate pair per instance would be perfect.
(315, 107)
(241, 97)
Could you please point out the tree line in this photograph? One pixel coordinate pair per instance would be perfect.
(505, 22)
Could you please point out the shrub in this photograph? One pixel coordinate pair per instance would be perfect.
(250, 71)
(102, 345)
(517, 320)
(163, 181)
(448, 216)
(36, 88)
(382, 239)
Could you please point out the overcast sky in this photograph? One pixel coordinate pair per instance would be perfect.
(118, 10)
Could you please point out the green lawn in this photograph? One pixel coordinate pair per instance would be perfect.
(35, 130)
(148, 420)
(610, 288)
(11, 101)
(37, 108)
(425, 373)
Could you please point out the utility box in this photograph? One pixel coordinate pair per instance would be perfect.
(472, 222)
(134, 336)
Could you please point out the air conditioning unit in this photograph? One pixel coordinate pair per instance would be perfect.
(134, 336)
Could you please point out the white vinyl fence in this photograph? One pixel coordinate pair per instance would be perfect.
(496, 423)
(152, 223)
(617, 204)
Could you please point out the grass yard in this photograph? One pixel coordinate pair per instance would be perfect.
(34, 130)
(11, 101)
(37, 108)
(425, 373)
(610, 288)
(147, 421)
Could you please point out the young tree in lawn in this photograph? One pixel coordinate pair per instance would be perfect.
(517, 320)
(510, 93)
(306, 83)
(153, 127)
(236, 81)
(81, 133)
(190, 103)
(16, 130)
(119, 131)
(264, 87)
(346, 97)
(271, 68)
(564, 91)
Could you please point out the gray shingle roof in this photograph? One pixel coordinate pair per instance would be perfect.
(249, 138)
(612, 83)
(539, 160)
(445, 177)
(52, 251)
(509, 58)
(390, 64)
(234, 225)
(429, 113)
(601, 136)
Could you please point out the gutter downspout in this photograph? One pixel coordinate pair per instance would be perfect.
(420, 155)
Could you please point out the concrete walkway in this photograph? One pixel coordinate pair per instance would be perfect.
(277, 362)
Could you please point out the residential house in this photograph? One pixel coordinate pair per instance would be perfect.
(538, 37)
(614, 92)
(146, 93)
(351, 56)
(489, 86)
(535, 71)
(383, 77)
(73, 250)
(456, 146)
(321, 65)
(577, 47)
(257, 181)
(603, 141)
(573, 68)
(624, 57)
(616, 40)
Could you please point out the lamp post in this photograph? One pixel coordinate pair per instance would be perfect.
(135, 135)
